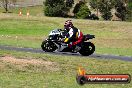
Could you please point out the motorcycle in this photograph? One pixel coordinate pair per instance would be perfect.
(55, 42)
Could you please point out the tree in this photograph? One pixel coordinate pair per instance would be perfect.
(121, 9)
(78, 6)
(6, 3)
(55, 8)
(129, 7)
(69, 3)
(128, 4)
(94, 4)
(105, 7)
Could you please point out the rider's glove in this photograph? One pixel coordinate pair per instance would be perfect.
(66, 40)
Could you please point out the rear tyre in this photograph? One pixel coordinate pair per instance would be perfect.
(48, 46)
(87, 49)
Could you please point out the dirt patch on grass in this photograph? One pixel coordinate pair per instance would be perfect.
(34, 64)
(13, 60)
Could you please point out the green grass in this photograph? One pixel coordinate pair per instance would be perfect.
(111, 37)
(15, 75)
(115, 51)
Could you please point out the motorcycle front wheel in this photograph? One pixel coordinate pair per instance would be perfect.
(48, 46)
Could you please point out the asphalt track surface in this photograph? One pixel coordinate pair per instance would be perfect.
(98, 56)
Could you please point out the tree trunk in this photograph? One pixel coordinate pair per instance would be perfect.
(6, 5)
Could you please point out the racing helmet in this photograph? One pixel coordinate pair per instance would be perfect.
(68, 24)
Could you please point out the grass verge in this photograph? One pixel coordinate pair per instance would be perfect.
(22, 71)
(111, 37)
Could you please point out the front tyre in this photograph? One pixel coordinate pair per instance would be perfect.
(48, 46)
(87, 49)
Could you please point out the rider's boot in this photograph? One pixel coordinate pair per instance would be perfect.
(62, 47)
(76, 49)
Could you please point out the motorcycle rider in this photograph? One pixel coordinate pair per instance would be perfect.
(74, 36)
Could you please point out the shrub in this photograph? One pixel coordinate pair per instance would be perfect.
(83, 12)
(56, 8)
